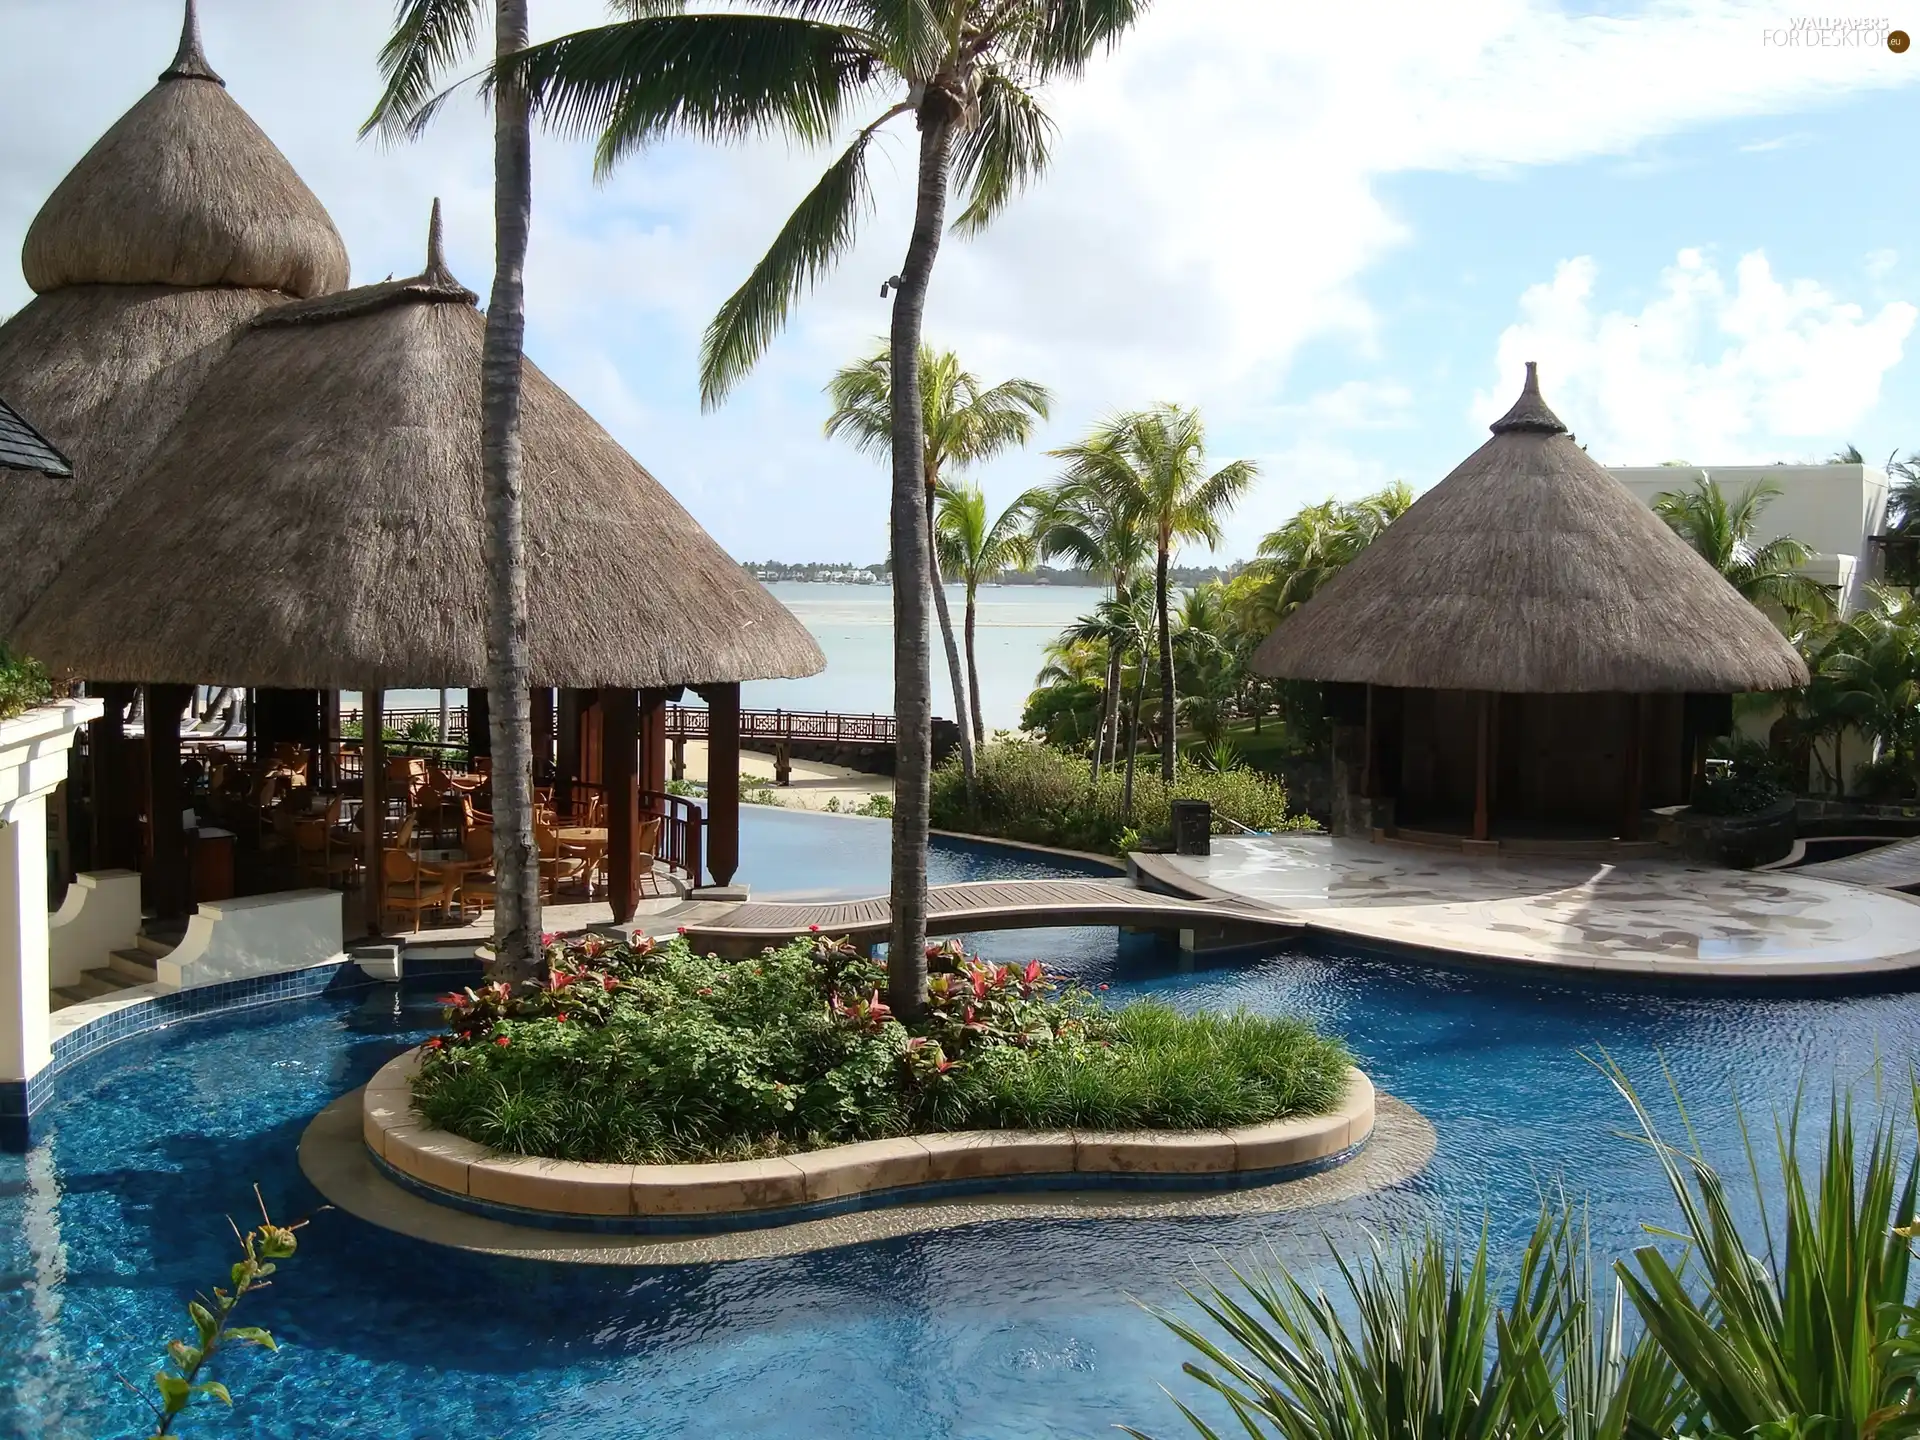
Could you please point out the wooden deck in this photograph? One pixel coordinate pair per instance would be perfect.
(999, 905)
(1890, 867)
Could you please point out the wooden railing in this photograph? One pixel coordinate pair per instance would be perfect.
(681, 846)
(689, 722)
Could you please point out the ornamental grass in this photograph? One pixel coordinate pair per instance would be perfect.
(647, 1053)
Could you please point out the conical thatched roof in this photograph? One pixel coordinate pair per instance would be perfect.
(185, 190)
(316, 520)
(1531, 569)
(142, 256)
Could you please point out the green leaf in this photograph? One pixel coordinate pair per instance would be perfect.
(203, 1321)
(818, 232)
(216, 1390)
(1005, 151)
(251, 1335)
(182, 1354)
(173, 1390)
(428, 36)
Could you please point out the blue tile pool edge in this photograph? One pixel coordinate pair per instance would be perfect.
(22, 1100)
(724, 1222)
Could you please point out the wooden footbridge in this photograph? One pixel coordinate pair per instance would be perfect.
(997, 905)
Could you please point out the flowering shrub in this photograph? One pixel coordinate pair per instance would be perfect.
(645, 1053)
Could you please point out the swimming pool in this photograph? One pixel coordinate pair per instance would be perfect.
(1018, 1329)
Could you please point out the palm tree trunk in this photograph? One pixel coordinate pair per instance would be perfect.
(1109, 710)
(938, 583)
(1166, 670)
(1133, 736)
(973, 673)
(516, 915)
(912, 540)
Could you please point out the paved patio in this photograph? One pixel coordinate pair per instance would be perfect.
(1638, 916)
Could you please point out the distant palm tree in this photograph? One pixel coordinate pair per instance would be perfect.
(1157, 458)
(1720, 529)
(429, 36)
(1312, 547)
(1126, 628)
(1093, 522)
(1903, 496)
(1849, 456)
(967, 71)
(975, 552)
(965, 423)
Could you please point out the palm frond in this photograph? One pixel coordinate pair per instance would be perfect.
(713, 76)
(1004, 152)
(815, 235)
(862, 407)
(1055, 38)
(429, 36)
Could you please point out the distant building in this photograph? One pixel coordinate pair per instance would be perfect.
(1834, 510)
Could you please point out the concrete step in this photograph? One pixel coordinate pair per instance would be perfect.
(156, 945)
(65, 995)
(134, 967)
(92, 984)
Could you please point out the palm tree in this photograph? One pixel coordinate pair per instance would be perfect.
(1125, 627)
(1868, 676)
(1903, 496)
(965, 423)
(1158, 458)
(975, 551)
(1091, 522)
(967, 72)
(1310, 549)
(1721, 530)
(428, 36)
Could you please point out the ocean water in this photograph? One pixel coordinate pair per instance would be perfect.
(854, 625)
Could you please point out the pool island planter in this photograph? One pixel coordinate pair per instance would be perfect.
(566, 1194)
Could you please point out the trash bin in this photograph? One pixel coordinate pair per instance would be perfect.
(1192, 827)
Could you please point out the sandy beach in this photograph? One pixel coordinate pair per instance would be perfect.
(813, 784)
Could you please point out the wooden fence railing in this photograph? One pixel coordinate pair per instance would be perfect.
(689, 722)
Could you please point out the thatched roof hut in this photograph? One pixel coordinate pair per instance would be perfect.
(179, 225)
(1528, 652)
(1531, 569)
(315, 521)
(24, 448)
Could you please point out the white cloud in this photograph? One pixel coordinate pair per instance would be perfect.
(1707, 370)
(1880, 263)
(1215, 204)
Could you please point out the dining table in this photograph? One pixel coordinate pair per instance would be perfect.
(588, 841)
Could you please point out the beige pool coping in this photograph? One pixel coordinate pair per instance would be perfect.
(394, 1131)
(334, 1158)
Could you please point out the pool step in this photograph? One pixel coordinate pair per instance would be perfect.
(133, 967)
(91, 985)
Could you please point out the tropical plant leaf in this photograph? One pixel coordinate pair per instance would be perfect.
(817, 233)
(1005, 150)
(428, 37)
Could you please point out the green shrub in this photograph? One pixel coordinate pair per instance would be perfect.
(1032, 792)
(24, 684)
(648, 1053)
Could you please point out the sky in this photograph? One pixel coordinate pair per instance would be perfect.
(1339, 231)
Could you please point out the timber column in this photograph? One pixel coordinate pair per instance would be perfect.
(723, 782)
(170, 879)
(620, 755)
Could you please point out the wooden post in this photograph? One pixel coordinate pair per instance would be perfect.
(723, 781)
(1369, 765)
(373, 792)
(543, 735)
(329, 778)
(653, 742)
(170, 876)
(1635, 767)
(479, 728)
(620, 754)
(116, 837)
(566, 750)
(1482, 821)
(679, 765)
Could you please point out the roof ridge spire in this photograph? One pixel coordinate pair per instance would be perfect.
(1530, 411)
(436, 248)
(190, 61)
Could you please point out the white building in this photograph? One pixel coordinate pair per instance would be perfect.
(1832, 509)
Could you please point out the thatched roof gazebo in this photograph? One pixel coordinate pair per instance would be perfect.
(1528, 648)
(179, 225)
(316, 520)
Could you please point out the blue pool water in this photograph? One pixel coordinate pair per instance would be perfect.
(1018, 1329)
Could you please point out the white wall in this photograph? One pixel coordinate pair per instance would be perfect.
(1832, 509)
